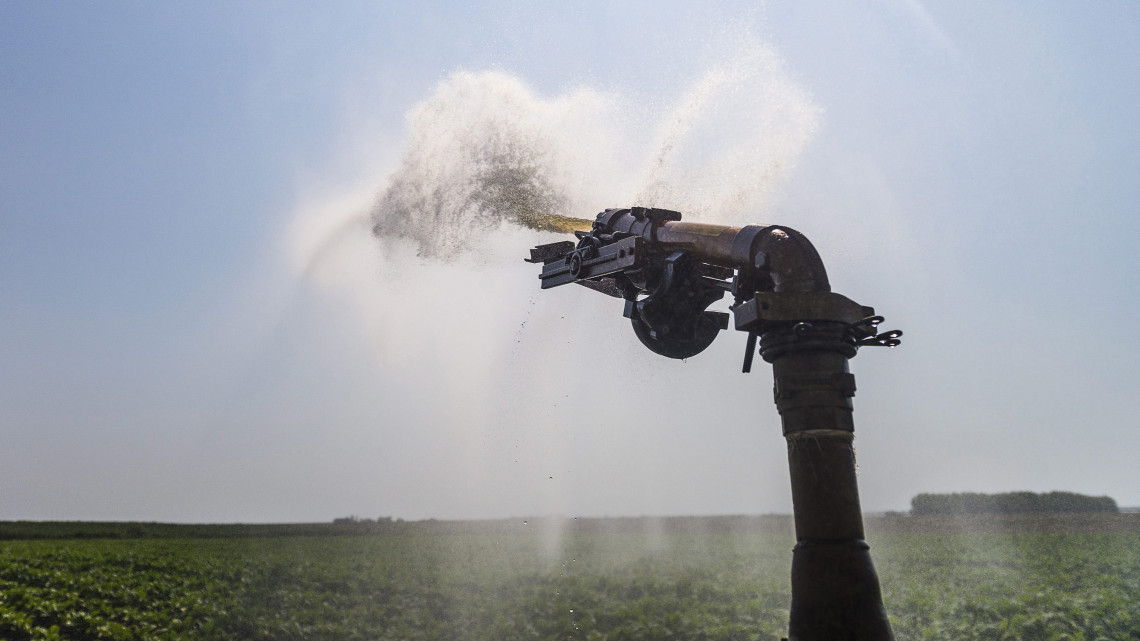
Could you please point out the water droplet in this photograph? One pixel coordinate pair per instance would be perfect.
(524, 522)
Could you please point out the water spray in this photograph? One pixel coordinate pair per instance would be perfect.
(668, 273)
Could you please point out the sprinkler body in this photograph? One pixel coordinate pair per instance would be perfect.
(669, 272)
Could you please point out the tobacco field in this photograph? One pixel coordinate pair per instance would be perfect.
(1031, 586)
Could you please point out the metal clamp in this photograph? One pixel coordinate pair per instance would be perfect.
(870, 324)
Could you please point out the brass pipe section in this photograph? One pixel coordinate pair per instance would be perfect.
(784, 253)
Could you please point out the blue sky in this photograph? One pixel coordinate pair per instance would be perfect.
(166, 172)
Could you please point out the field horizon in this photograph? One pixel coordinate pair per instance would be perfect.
(875, 523)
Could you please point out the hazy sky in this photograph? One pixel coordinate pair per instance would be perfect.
(196, 325)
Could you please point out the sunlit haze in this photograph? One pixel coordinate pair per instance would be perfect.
(263, 262)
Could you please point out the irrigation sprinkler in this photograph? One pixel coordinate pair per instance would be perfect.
(668, 273)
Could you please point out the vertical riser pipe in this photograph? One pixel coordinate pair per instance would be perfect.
(835, 591)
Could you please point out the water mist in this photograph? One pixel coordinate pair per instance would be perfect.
(489, 165)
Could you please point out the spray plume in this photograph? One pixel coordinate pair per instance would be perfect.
(487, 159)
(484, 150)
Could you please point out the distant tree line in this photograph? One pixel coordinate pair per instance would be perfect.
(356, 520)
(1010, 503)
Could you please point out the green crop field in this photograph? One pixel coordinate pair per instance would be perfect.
(519, 583)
